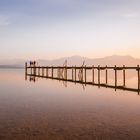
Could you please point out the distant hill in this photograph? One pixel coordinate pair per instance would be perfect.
(76, 60)
(109, 60)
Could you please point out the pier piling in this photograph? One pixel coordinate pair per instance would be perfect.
(85, 74)
(115, 76)
(106, 74)
(138, 77)
(93, 73)
(98, 74)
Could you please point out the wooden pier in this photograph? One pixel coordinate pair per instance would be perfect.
(81, 73)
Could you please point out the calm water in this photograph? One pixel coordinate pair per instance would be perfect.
(48, 109)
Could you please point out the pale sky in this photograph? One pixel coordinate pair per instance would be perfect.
(49, 29)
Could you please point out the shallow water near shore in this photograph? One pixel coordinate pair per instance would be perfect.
(56, 110)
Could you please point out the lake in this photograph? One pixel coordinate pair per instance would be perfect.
(55, 110)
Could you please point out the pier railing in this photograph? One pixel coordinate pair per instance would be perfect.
(81, 73)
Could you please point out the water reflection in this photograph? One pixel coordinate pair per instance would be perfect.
(34, 78)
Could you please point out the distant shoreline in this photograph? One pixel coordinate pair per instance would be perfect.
(10, 67)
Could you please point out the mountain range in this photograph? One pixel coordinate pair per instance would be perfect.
(75, 60)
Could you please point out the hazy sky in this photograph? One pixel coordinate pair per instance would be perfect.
(54, 28)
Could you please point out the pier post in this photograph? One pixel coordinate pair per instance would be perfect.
(34, 69)
(106, 75)
(85, 74)
(98, 74)
(82, 74)
(123, 75)
(26, 67)
(93, 74)
(52, 71)
(75, 72)
(47, 72)
(66, 72)
(115, 76)
(138, 77)
(26, 72)
(72, 73)
(58, 71)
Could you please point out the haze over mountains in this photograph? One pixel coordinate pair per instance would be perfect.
(76, 60)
